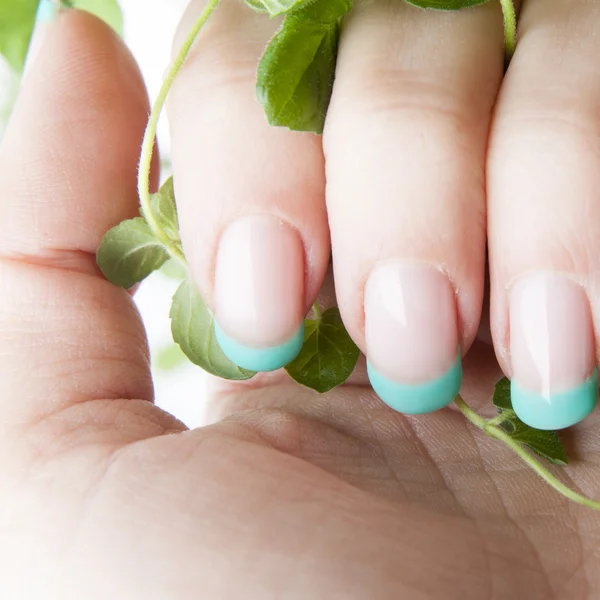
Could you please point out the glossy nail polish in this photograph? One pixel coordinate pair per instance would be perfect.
(47, 12)
(553, 358)
(259, 293)
(413, 356)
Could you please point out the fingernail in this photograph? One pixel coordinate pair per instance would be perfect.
(553, 358)
(259, 293)
(412, 337)
(46, 13)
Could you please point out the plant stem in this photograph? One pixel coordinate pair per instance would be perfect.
(471, 415)
(317, 311)
(150, 133)
(491, 429)
(510, 27)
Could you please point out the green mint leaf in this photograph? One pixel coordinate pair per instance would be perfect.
(295, 76)
(546, 444)
(192, 325)
(129, 253)
(16, 24)
(445, 4)
(502, 394)
(296, 73)
(328, 355)
(164, 210)
(274, 8)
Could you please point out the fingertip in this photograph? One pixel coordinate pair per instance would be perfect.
(81, 112)
(412, 337)
(251, 197)
(552, 351)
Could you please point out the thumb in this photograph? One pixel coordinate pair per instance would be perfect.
(69, 340)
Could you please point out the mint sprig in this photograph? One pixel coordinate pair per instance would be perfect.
(493, 429)
(134, 249)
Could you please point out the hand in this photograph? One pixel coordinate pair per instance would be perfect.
(290, 494)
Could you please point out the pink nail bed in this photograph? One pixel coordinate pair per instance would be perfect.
(411, 324)
(259, 281)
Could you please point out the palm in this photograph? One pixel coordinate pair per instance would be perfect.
(310, 497)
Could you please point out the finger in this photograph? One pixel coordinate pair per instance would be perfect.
(250, 196)
(544, 214)
(67, 174)
(405, 146)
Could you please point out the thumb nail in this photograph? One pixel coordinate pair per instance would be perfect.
(47, 12)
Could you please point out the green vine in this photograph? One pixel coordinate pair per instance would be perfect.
(510, 28)
(492, 429)
(150, 134)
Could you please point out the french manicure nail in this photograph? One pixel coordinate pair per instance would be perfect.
(553, 358)
(259, 293)
(46, 13)
(413, 356)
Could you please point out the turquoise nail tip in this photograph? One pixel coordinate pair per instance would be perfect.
(558, 411)
(260, 359)
(47, 11)
(418, 399)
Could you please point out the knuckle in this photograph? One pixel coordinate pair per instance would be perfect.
(550, 143)
(380, 92)
(229, 51)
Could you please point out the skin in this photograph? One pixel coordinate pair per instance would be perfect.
(285, 494)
